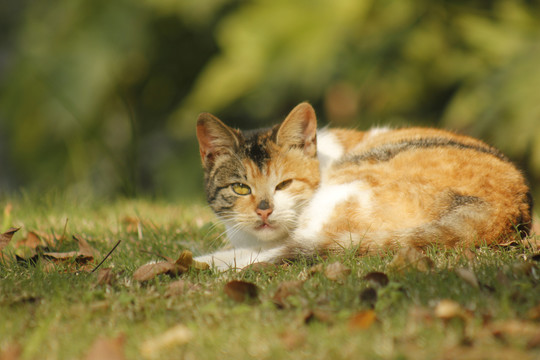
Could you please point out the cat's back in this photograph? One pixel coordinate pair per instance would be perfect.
(391, 179)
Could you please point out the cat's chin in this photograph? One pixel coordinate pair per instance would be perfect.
(269, 233)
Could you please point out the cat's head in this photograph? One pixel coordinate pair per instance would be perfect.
(259, 181)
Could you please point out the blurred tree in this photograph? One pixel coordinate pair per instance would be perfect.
(104, 95)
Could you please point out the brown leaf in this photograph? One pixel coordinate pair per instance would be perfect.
(293, 339)
(83, 256)
(179, 287)
(108, 349)
(362, 320)
(241, 291)
(5, 238)
(337, 271)
(11, 352)
(410, 258)
(468, 276)
(319, 268)
(369, 297)
(181, 265)
(534, 313)
(175, 336)
(318, 315)
(186, 259)
(151, 270)
(286, 289)
(377, 278)
(32, 241)
(448, 309)
(105, 276)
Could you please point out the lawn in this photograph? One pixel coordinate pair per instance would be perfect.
(469, 303)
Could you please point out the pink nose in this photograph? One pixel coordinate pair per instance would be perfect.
(264, 213)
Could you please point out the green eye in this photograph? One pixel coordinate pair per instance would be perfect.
(241, 189)
(284, 184)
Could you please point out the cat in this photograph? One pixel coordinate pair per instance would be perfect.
(294, 191)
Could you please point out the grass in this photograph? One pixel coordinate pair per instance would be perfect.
(60, 314)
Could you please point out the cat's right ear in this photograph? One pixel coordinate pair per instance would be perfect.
(215, 138)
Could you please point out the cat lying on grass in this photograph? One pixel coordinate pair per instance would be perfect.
(294, 191)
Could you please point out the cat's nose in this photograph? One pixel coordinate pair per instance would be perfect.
(264, 210)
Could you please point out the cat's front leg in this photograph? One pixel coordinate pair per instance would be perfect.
(239, 258)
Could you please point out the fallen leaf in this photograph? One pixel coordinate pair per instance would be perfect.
(107, 349)
(286, 289)
(5, 238)
(377, 278)
(105, 276)
(84, 255)
(362, 320)
(534, 313)
(319, 268)
(410, 258)
(369, 297)
(241, 291)
(32, 241)
(293, 339)
(534, 341)
(179, 287)
(317, 315)
(448, 309)
(151, 270)
(186, 259)
(175, 336)
(11, 352)
(181, 265)
(337, 271)
(468, 276)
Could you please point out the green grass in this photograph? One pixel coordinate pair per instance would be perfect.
(60, 314)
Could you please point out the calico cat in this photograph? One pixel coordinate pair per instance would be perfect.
(293, 190)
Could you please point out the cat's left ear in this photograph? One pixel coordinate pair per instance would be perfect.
(299, 129)
(215, 138)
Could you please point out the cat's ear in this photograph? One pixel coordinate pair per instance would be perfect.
(215, 138)
(299, 129)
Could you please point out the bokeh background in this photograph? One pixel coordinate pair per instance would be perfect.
(102, 96)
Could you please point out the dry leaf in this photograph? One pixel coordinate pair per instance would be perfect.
(534, 313)
(183, 264)
(286, 289)
(369, 297)
(468, 276)
(448, 309)
(241, 291)
(85, 254)
(317, 315)
(105, 276)
(337, 271)
(107, 349)
(11, 352)
(186, 259)
(362, 320)
(179, 287)
(377, 278)
(293, 339)
(151, 270)
(175, 336)
(5, 238)
(319, 268)
(410, 258)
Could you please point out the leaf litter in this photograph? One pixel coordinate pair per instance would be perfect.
(172, 268)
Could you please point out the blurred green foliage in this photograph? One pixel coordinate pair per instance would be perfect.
(102, 96)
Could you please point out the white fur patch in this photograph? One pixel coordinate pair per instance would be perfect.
(329, 148)
(373, 132)
(323, 204)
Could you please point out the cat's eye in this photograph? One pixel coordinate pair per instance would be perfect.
(284, 184)
(241, 189)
